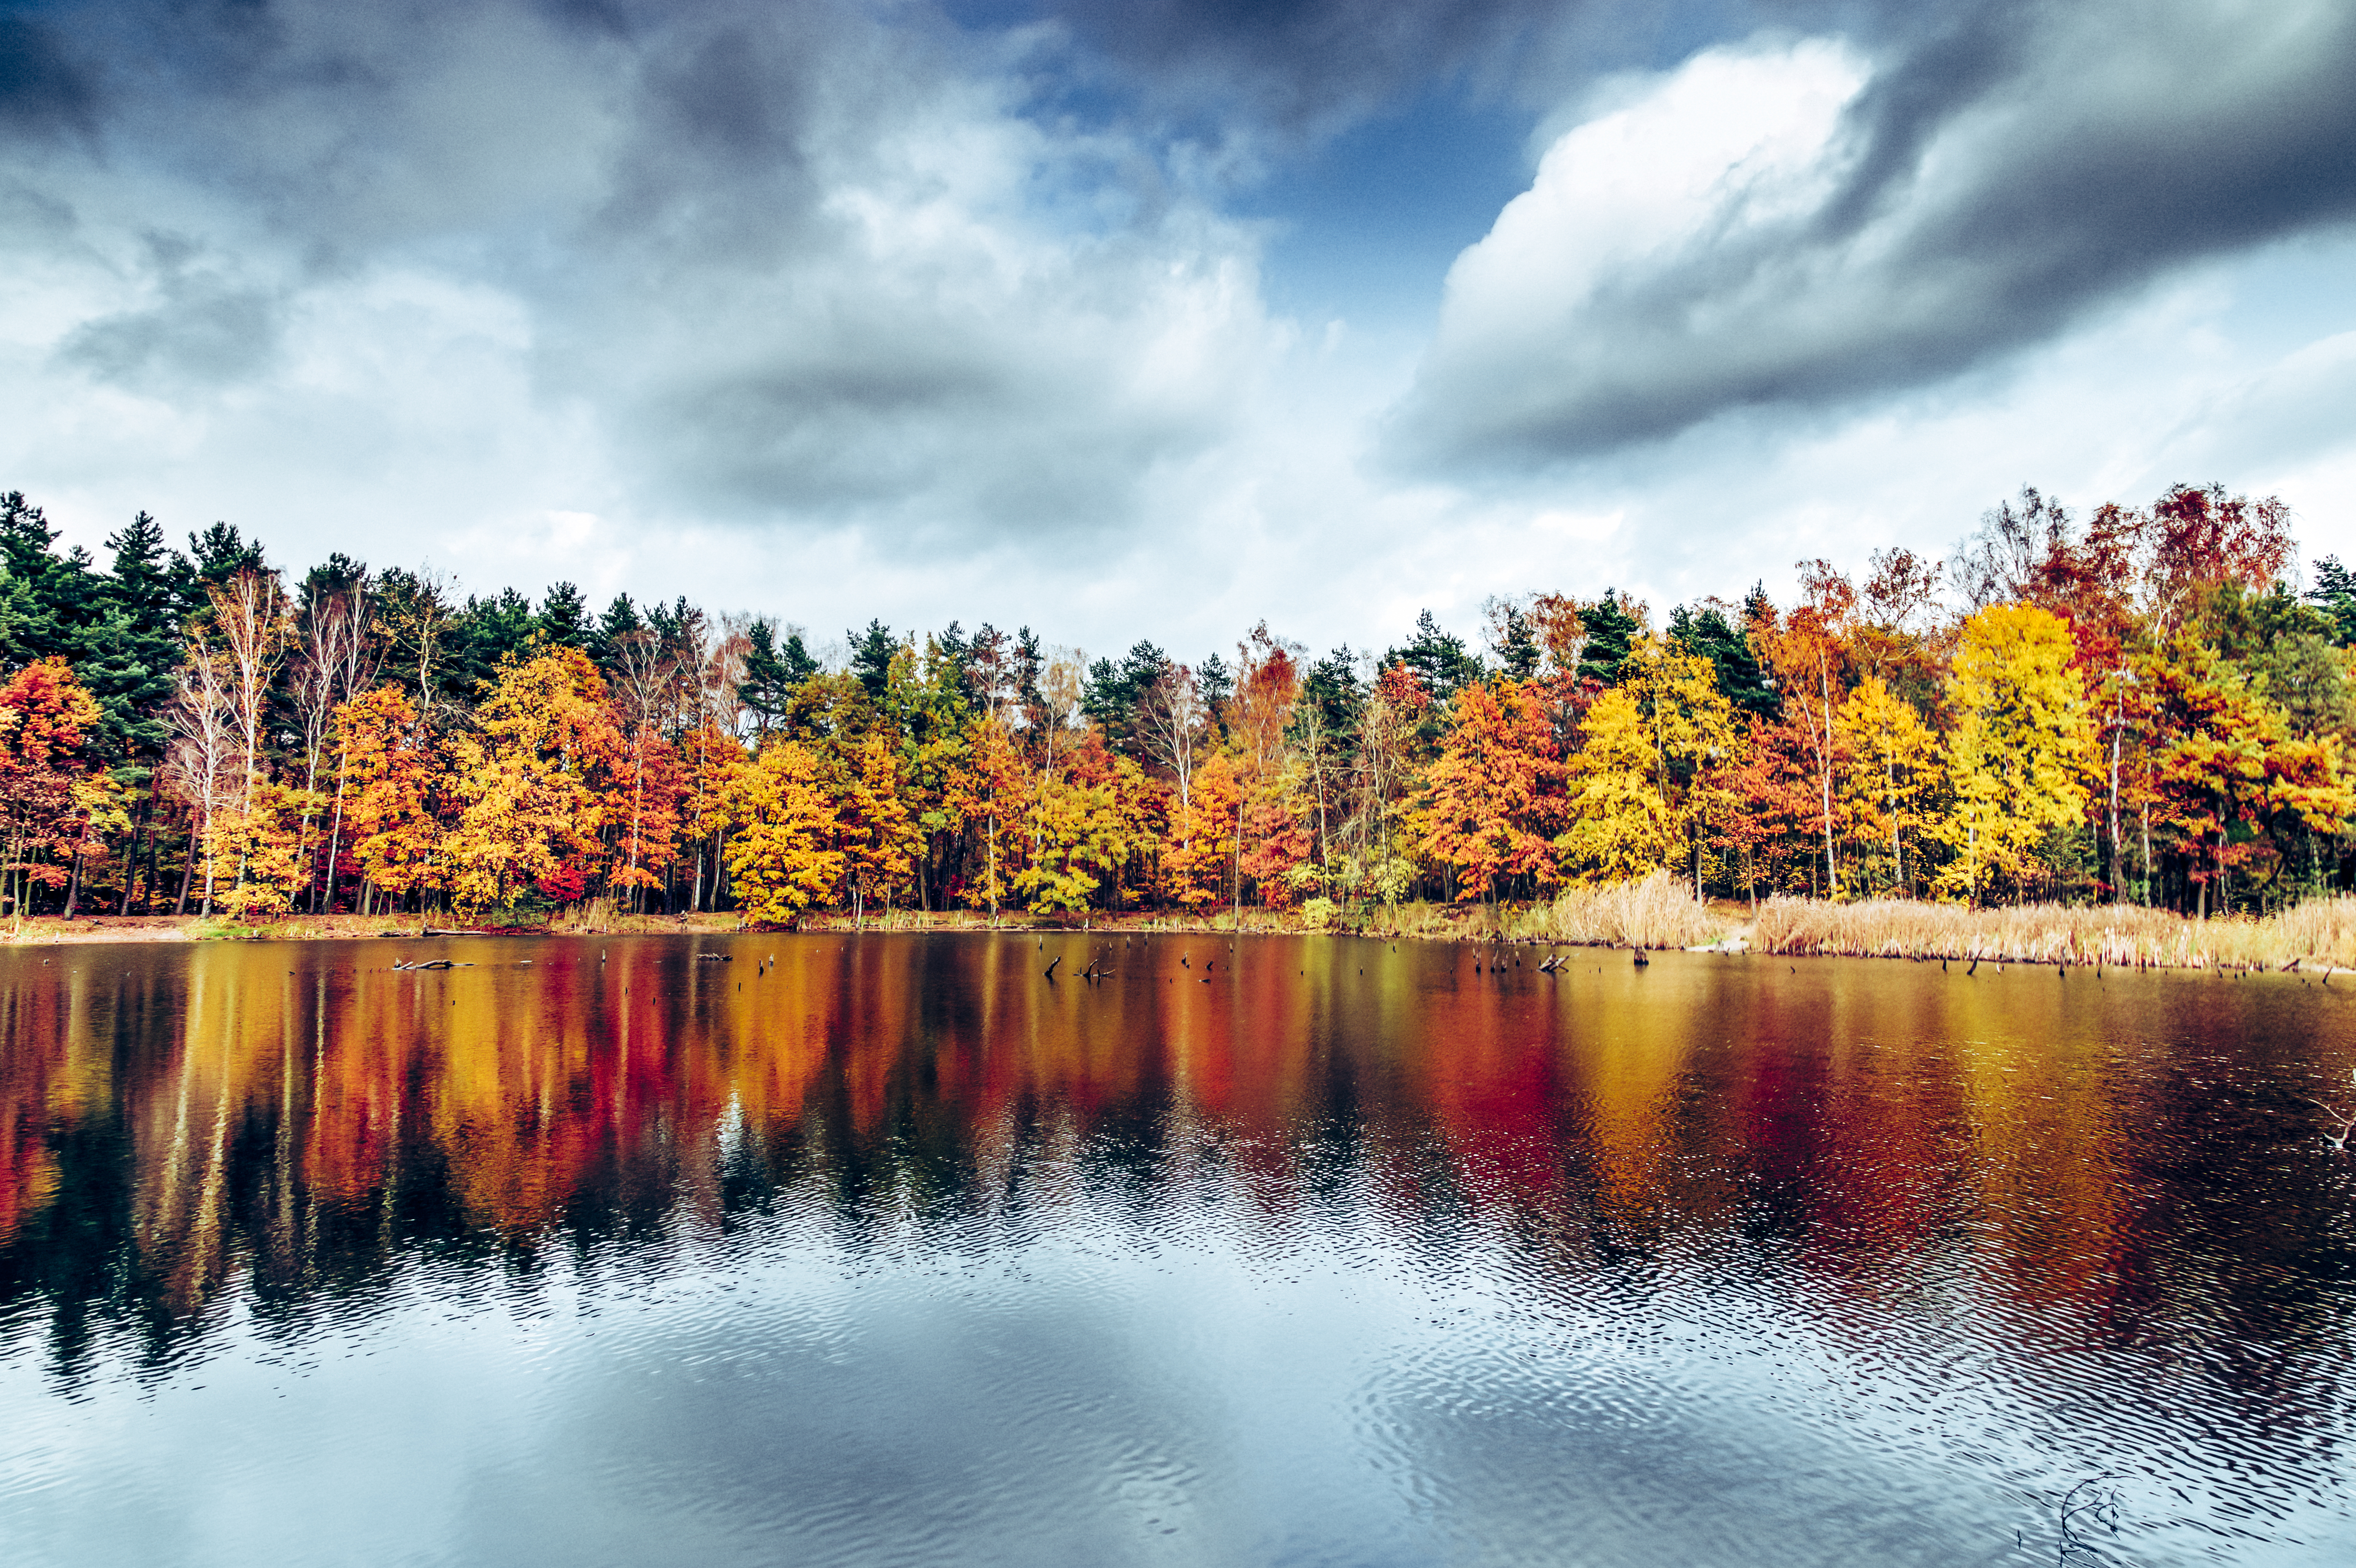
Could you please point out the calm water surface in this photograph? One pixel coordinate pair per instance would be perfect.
(891, 1252)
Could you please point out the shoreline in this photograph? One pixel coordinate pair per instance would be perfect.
(2316, 938)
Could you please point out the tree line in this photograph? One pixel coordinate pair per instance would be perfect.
(2138, 704)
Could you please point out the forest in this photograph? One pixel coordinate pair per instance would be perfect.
(2143, 704)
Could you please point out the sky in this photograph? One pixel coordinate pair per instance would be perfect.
(1157, 319)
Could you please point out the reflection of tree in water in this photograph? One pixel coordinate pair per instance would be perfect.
(304, 1145)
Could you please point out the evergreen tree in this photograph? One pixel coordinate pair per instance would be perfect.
(128, 655)
(563, 618)
(1029, 665)
(1439, 661)
(214, 557)
(1518, 652)
(772, 673)
(1741, 679)
(1333, 693)
(60, 594)
(2335, 595)
(25, 536)
(870, 659)
(620, 619)
(483, 634)
(955, 648)
(799, 664)
(1610, 630)
(1111, 697)
(1217, 685)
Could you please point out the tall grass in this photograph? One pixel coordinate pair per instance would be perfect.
(2315, 935)
(1658, 911)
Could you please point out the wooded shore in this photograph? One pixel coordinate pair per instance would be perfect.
(1656, 913)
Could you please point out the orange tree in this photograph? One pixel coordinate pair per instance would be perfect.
(393, 778)
(982, 794)
(1493, 796)
(2231, 779)
(1199, 850)
(48, 787)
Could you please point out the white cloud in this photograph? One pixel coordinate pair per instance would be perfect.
(796, 312)
(1790, 224)
(758, 292)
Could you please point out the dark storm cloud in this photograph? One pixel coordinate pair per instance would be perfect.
(43, 90)
(1998, 180)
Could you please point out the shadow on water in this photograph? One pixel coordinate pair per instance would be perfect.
(888, 1248)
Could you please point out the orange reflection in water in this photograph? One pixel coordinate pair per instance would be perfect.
(306, 1111)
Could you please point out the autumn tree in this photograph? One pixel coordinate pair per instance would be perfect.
(1888, 789)
(525, 811)
(1380, 830)
(782, 856)
(2233, 779)
(2020, 749)
(394, 776)
(1492, 799)
(1201, 846)
(996, 780)
(1809, 653)
(874, 830)
(1618, 825)
(50, 789)
(1690, 725)
(199, 767)
(255, 835)
(1259, 716)
(1081, 837)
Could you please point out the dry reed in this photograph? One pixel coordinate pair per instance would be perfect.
(2316, 934)
(1658, 911)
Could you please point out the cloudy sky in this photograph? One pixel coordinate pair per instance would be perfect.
(1163, 316)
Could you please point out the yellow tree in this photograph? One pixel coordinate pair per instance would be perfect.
(878, 836)
(1620, 827)
(264, 834)
(2021, 748)
(525, 808)
(1268, 684)
(1896, 763)
(1809, 651)
(1691, 725)
(984, 792)
(781, 853)
(1081, 836)
(711, 758)
(251, 614)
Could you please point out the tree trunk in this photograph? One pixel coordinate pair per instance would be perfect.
(187, 871)
(138, 834)
(1824, 684)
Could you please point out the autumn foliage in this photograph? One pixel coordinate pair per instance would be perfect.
(2141, 706)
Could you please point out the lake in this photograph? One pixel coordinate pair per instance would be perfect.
(885, 1249)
